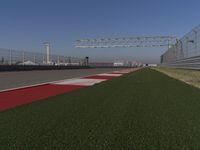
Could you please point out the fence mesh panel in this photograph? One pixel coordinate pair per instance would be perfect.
(14, 57)
(185, 53)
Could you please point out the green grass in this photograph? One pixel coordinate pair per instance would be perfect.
(142, 110)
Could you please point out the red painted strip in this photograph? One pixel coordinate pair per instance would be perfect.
(100, 77)
(14, 98)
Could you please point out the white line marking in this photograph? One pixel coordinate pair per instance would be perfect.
(23, 87)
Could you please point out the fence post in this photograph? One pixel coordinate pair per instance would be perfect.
(23, 57)
(195, 42)
(187, 41)
(58, 60)
(43, 60)
(10, 57)
(69, 60)
(63, 59)
(34, 60)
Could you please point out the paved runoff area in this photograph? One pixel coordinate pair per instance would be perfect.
(26, 78)
(19, 96)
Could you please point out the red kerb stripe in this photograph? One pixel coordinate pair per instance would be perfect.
(11, 99)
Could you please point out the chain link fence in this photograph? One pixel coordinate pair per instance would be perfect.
(14, 57)
(185, 53)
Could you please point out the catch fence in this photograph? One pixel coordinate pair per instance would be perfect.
(14, 57)
(185, 53)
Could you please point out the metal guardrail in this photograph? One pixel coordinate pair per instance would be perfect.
(187, 63)
(13, 57)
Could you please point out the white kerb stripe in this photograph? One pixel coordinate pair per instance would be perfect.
(110, 74)
(83, 82)
(122, 72)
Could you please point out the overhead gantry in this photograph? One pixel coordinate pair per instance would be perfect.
(143, 41)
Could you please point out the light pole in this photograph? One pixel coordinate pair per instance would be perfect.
(47, 46)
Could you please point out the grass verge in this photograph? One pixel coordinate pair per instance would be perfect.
(142, 110)
(191, 77)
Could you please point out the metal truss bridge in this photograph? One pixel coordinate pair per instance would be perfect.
(146, 41)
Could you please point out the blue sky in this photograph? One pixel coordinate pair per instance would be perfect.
(26, 24)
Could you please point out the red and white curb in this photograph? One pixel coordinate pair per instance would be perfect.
(24, 95)
(111, 74)
(82, 82)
